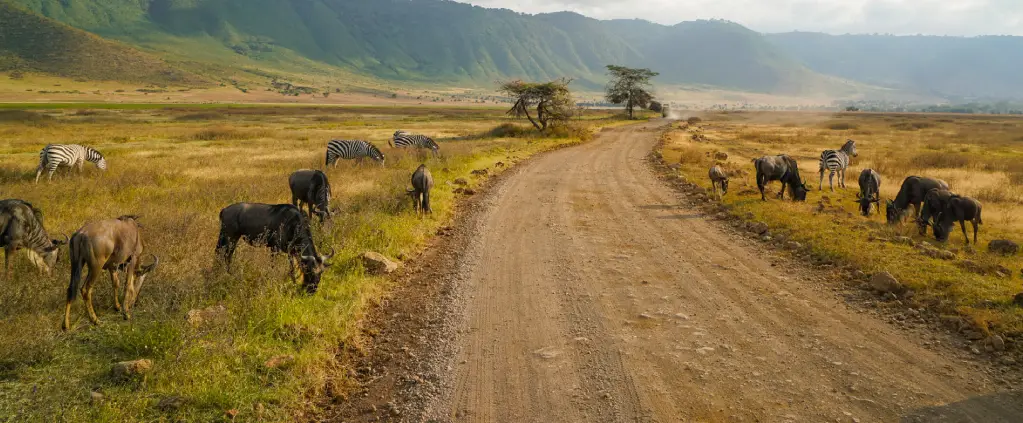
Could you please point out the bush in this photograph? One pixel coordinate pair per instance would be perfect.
(200, 116)
(841, 126)
(24, 116)
(694, 120)
(510, 130)
(939, 160)
(912, 126)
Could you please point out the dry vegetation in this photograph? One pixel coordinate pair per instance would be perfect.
(177, 167)
(980, 156)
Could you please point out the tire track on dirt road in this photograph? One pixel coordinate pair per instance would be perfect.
(589, 294)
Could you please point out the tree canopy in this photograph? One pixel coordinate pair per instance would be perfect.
(630, 87)
(552, 101)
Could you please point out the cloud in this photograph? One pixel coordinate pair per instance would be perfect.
(932, 17)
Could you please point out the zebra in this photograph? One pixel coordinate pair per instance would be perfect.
(352, 149)
(836, 162)
(71, 155)
(404, 139)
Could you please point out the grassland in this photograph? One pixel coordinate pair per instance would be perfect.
(177, 167)
(980, 156)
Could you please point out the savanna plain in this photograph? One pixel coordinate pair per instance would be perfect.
(263, 350)
(971, 289)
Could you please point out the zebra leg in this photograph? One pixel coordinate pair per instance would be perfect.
(820, 183)
(831, 180)
(843, 178)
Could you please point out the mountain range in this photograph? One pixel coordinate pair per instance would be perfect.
(449, 43)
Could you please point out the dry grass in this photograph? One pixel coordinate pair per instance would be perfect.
(176, 171)
(980, 156)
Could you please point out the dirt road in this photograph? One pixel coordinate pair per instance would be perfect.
(585, 293)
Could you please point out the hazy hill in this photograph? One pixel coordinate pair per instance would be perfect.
(32, 42)
(949, 66)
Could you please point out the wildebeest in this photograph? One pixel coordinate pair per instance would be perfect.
(21, 227)
(780, 168)
(934, 203)
(280, 227)
(718, 177)
(111, 245)
(311, 188)
(836, 161)
(959, 209)
(870, 191)
(422, 182)
(912, 193)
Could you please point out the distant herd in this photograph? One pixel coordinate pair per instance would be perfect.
(934, 205)
(115, 245)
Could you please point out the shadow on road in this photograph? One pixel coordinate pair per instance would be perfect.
(1004, 407)
(681, 217)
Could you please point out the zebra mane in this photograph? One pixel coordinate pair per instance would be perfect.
(848, 146)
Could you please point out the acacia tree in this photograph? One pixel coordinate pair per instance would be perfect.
(552, 101)
(629, 86)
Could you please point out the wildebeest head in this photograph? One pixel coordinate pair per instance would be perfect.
(799, 191)
(51, 254)
(312, 269)
(941, 229)
(143, 270)
(866, 202)
(724, 186)
(892, 213)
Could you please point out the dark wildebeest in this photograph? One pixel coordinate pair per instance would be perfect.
(422, 182)
(959, 209)
(934, 203)
(718, 177)
(110, 245)
(780, 168)
(311, 188)
(870, 191)
(21, 226)
(912, 193)
(280, 227)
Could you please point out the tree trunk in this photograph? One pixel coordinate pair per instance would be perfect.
(540, 116)
(521, 106)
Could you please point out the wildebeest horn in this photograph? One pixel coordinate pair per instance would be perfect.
(331, 255)
(156, 262)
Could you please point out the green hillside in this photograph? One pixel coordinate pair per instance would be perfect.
(32, 42)
(946, 66)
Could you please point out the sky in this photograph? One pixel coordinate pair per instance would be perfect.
(903, 17)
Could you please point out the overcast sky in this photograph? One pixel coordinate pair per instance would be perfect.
(933, 17)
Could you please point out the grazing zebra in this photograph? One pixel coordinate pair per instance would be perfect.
(352, 149)
(836, 161)
(71, 155)
(404, 139)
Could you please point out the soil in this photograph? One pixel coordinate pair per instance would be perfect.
(579, 288)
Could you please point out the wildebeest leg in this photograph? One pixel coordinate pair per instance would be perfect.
(974, 222)
(962, 223)
(781, 194)
(87, 293)
(292, 266)
(115, 282)
(225, 249)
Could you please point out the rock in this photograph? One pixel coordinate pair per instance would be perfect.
(171, 403)
(468, 191)
(758, 228)
(858, 275)
(720, 155)
(885, 283)
(1003, 247)
(973, 335)
(377, 264)
(499, 164)
(939, 254)
(461, 181)
(675, 166)
(280, 361)
(646, 316)
(903, 240)
(130, 369)
(95, 397)
(972, 267)
(480, 172)
(994, 343)
(765, 238)
(1018, 300)
(793, 245)
(212, 314)
(952, 322)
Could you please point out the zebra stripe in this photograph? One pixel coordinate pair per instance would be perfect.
(352, 149)
(404, 139)
(836, 161)
(70, 155)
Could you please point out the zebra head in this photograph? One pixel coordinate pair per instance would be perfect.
(376, 154)
(399, 133)
(850, 148)
(102, 163)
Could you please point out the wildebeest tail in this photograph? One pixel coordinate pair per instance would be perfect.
(79, 251)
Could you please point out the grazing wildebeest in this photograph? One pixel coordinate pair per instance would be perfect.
(780, 168)
(912, 193)
(934, 203)
(959, 209)
(836, 161)
(870, 191)
(280, 227)
(111, 245)
(21, 226)
(422, 182)
(718, 177)
(311, 188)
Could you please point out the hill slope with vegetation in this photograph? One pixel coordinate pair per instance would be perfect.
(30, 42)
